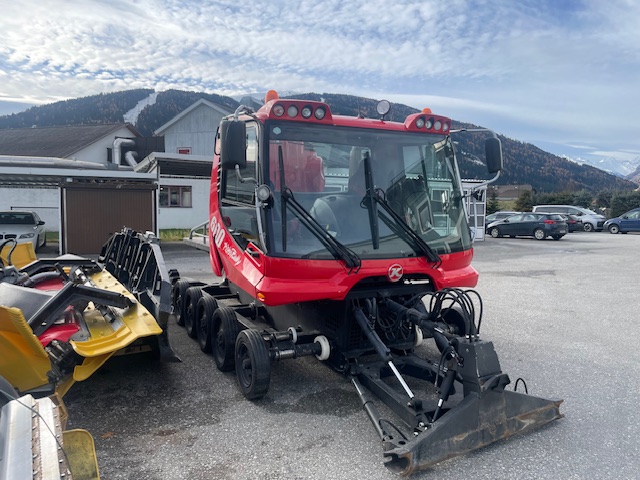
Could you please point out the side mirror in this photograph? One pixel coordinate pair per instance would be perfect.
(41, 222)
(493, 153)
(233, 144)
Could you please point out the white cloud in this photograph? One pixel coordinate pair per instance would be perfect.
(534, 70)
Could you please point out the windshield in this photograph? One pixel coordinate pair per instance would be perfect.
(7, 218)
(324, 169)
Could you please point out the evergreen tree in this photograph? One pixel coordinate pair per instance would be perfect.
(525, 202)
(492, 202)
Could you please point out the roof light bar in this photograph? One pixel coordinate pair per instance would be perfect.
(303, 110)
(426, 121)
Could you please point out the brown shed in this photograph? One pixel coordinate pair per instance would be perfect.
(91, 213)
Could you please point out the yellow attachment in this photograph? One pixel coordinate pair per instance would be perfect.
(137, 320)
(23, 361)
(22, 255)
(80, 452)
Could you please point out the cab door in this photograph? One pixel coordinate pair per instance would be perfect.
(244, 262)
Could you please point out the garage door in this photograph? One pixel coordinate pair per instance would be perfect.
(90, 214)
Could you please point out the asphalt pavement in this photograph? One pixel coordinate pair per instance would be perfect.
(561, 314)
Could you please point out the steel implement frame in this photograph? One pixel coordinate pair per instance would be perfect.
(473, 409)
(135, 260)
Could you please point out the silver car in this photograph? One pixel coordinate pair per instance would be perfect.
(23, 226)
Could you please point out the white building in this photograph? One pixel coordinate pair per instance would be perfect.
(181, 164)
(184, 169)
(24, 152)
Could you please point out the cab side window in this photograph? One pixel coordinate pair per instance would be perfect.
(235, 190)
(238, 202)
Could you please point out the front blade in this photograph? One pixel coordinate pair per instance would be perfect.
(477, 421)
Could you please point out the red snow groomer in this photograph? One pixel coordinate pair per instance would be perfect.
(347, 238)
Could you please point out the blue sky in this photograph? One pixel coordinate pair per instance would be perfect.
(563, 75)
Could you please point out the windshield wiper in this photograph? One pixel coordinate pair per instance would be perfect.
(337, 249)
(397, 224)
(370, 203)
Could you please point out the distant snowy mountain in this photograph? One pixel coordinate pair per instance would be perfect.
(259, 96)
(615, 166)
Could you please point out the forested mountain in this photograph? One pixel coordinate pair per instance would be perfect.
(97, 109)
(170, 103)
(524, 163)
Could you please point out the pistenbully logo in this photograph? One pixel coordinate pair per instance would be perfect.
(394, 274)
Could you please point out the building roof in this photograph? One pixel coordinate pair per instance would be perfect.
(198, 166)
(48, 171)
(186, 111)
(510, 192)
(60, 142)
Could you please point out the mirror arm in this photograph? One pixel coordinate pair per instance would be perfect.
(242, 109)
(242, 179)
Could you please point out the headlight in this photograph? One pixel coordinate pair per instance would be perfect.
(27, 235)
(383, 107)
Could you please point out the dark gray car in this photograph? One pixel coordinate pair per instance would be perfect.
(537, 225)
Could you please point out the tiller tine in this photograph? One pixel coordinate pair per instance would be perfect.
(478, 420)
(167, 354)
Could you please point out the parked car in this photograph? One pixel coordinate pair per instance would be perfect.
(574, 222)
(529, 224)
(23, 226)
(500, 215)
(590, 220)
(628, 222)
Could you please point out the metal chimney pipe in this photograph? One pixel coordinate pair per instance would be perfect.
(118, 143)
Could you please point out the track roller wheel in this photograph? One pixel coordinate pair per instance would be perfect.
(326, 348)
(253, 365)
(224, 332)
(206, 306)
(177, 300)
(191, 298)
(419, 336)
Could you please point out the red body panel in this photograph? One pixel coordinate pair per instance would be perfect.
(58, 332)
(294, 280)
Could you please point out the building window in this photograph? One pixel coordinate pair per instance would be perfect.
(175, 196)
(184, 150)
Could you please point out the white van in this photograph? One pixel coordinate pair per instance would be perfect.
(590, 219)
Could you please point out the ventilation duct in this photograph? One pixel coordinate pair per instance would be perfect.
(118, 143)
